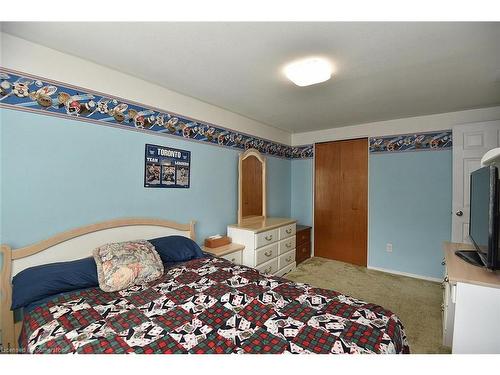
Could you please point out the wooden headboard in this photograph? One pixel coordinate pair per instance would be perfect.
(71, 245)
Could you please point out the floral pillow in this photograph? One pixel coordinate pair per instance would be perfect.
(123, 264)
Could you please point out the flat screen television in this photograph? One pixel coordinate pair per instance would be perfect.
(484, 219)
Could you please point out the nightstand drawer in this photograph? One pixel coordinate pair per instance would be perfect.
(304, 236)
(286, 245)
(303, 252)
(269, 267)
(235, 257)
(287, 231)
(265, 238)
(266, 253)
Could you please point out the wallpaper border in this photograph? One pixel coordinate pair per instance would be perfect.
(420, 141)
(30, 93)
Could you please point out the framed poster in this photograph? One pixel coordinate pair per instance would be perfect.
(166, 167)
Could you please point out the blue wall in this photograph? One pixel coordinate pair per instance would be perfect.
(409, 205)
(57, 174)
(302, 185)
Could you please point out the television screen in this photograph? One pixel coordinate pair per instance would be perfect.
(479, 229)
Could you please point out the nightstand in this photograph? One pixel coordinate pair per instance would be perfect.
(232, 252)
(303, 243)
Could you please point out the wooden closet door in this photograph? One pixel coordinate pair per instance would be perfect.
(341, 201)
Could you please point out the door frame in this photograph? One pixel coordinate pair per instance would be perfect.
(367, 137)
(459, 130)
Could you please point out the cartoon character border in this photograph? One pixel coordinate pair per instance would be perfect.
(26, 92)
(429, 141)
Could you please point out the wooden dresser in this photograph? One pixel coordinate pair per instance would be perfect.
(471, 305)
(303, 250)
(269, 244)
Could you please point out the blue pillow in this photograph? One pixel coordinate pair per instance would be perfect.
(176, 248)
(36, 283)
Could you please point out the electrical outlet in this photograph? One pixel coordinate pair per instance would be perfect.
(388, 247)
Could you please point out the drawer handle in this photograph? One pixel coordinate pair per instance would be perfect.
(269, 238)
(288, 231)
(289, 259)
(288, 244)
(268, 253)
(443, 262)
(267, 270)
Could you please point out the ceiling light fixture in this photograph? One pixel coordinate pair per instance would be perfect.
(308, 71)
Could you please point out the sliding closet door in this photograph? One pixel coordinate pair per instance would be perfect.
(341, 201)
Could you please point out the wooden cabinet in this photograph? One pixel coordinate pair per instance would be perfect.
(303, 243)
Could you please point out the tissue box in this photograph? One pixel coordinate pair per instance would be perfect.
(217, 242)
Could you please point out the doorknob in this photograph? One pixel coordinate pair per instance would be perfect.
(459, 213)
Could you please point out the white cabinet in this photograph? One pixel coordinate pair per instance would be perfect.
(448, 309)
(269, 244)
(476, 329)
(471, 305)
(232, 252)
(235, 257)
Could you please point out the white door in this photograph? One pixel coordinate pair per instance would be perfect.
(470, 143)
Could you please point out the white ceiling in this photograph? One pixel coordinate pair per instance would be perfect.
(383, 70)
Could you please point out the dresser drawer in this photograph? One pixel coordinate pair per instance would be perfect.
(265, 238)
(286, 259)
(304, 236)
(285, 270)
(266, 253)
(286, 245)
(235, 257)
(287, 231)
(269, 267)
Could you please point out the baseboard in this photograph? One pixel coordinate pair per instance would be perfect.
(405, 274)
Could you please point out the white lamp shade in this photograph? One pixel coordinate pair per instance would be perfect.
(308, 71)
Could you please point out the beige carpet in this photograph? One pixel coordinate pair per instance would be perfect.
(416, 302)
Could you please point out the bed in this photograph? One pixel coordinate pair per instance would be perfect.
(205, 305)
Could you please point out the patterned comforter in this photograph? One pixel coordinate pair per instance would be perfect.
(211, 305)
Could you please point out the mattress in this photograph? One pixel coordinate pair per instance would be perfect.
(211, 305)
